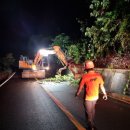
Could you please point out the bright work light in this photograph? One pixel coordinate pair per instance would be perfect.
(45, 52)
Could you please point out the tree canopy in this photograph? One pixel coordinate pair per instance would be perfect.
(105, 33)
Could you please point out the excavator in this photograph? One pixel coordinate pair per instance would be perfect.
(37, 68)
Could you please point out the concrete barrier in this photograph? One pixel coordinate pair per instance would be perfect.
(115, 79)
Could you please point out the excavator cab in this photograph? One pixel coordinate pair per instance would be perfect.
(25, 62)
(35, 68)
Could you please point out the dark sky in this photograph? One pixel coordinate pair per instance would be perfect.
(22, 20)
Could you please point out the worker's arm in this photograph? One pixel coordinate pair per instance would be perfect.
(104, 92)
(80, 87)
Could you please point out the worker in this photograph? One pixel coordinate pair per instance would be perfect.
(92, 81)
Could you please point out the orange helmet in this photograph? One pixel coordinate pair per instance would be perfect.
(89, 64)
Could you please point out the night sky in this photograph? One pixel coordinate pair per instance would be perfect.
(26, 25)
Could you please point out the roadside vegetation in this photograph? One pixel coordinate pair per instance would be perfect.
(6, 64)
(105, 36)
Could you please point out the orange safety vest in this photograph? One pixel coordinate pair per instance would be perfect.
(92, 81)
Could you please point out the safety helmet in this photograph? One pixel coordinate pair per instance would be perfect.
(89, 64)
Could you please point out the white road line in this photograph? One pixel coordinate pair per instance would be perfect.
(7, 79)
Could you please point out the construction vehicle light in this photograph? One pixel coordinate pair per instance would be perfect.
(34, 67)
(45, 52)
(47, 68)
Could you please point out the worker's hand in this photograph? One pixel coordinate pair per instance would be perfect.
(76, 94)
(105, 96)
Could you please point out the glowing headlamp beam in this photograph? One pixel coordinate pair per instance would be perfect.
(45, 52)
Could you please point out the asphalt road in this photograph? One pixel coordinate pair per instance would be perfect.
(110, 114)
(24, 105)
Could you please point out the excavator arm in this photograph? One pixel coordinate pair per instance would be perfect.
(76, 69)
(38, 57)
(60, 54)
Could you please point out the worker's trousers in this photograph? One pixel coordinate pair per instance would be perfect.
(90, 110)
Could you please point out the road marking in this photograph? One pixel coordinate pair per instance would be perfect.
(7, 79)
(67, 113)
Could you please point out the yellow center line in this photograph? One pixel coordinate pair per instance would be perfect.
(67, 113)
